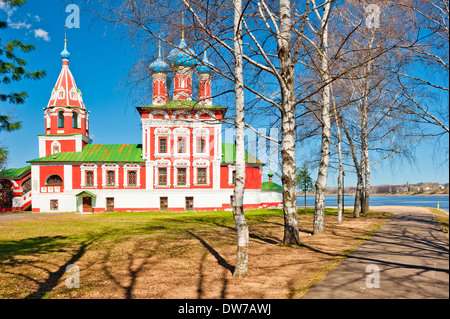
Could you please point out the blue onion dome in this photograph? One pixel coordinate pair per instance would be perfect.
(159, 66)
(182, 56)
(65, 54)
(205, 67)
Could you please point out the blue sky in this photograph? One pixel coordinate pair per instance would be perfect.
(100, 62)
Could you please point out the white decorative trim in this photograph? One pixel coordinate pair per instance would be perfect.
(162, 132)
(231, 169)
(110, 167)
(201, 163)
(181, 115)
(182, 163)
(184, 133)
(61, 89)
(210, 113)
(88, 167)
(161, 164)
(131, 167)
(200, 132)
(182, 94)
(159, 112)
(53, 145)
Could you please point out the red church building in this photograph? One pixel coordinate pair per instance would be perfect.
(181, 164)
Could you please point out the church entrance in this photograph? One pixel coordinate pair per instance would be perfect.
(87, 204)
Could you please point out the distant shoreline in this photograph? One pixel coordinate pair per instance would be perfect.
(334, 194)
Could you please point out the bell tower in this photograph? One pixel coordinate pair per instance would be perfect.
(66, 118)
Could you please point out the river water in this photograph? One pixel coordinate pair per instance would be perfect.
(418, 201)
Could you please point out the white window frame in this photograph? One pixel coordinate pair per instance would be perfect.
(159, 133)
(231, 169)
(63, 94)
(181, 132)
(73, 94)
(105, 169)
(182, 164)
(162, 164)
(85, 168)
(53, 145)
(200, 132)
(132, 167)
(202, 163)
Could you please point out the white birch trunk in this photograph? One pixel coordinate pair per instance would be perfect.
(321, 182)
(291, 233)
(241, 267)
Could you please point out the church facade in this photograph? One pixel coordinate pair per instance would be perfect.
(181, 164)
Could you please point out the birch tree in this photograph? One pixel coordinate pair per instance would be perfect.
(241, 266)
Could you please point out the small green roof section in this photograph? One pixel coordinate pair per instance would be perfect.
(98, 153)
(271, 186)
(86, 193)
(229, 155)
(183, 104)
(15, 172)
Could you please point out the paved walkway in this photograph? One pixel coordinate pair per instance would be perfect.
(7, 217)
(411, 253)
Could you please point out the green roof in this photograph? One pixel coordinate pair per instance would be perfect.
(229, 155)
(86, 193)
(14, 172)
(128, 153)
(182, 104)
(98, 153)
(271, 186)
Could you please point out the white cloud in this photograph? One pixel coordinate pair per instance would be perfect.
(39, 33)
(37, 18)
(19, 25)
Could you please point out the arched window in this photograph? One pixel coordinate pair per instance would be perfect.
(54, 180)
(75, 119)
(110, 178)
(61, 119)
(132, 178)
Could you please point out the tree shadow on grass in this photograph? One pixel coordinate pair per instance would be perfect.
(54, 277)
(220, 260)
(9, 249)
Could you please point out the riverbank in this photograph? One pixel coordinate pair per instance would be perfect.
(377, 194)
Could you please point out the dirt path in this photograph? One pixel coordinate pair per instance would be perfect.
(408, 257)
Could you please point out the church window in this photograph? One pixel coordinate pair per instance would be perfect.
(181, 145)
(110, 204)
(75, 119)
(89, 178)
(162, 176)
(163, 145)
(132, 178)
(201, 145)
(61, 94)
(163, 203)
(54, 180)
(61, 119)
(55, 149)
(53, 204)
(110, 178)
(201, 176)
(181, 176)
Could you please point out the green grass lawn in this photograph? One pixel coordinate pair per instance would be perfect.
(153, 254)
